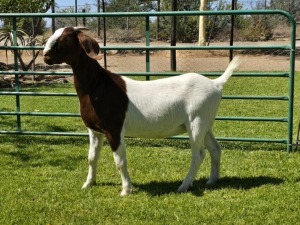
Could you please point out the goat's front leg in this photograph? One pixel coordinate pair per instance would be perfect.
(121, 164)
(96, 142)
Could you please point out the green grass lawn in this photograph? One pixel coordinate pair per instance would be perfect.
(41, 176)
(41, 180)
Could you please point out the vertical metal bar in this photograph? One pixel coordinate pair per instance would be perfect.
(99, 21)
(173, 36)
(53, 19)
(16, 67)
(76, 20)
(291, 83)
(83, 18)
(127, 18)
(104, 34)
(231, 30)
(147, 44)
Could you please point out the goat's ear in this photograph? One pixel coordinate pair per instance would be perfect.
(89, 45)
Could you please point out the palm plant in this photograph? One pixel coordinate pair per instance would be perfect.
(23, 39)
(6, 36)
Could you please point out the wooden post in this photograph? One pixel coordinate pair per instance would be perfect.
(202, 24)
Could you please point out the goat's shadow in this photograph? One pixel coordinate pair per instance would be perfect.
(158, 188)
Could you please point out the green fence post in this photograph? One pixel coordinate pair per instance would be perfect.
(147, 44)
(291, 82)
(16, 67)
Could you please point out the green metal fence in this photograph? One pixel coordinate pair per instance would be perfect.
(147, 48)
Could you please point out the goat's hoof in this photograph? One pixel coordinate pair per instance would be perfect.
(212, 181)
(88, 184)
(184, 188)
(126, 192)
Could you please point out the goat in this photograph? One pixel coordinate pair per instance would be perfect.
(115, 106)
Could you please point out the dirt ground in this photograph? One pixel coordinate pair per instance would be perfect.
(203, 61)
(187, 61)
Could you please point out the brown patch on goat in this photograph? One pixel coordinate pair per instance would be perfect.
(103, 106)
(102, 94)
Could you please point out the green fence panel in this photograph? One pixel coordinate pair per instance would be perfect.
(147, 48)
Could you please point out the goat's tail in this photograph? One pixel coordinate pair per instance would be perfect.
(220, 81)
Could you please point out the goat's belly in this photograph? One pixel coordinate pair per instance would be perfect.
(152, 132)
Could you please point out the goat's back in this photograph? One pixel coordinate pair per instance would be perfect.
(161, 108)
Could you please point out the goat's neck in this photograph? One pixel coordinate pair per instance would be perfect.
(87, 74)
(103, 99)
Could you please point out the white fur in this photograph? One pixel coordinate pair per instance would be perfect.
(52, 40)
(166, 107)
(162, 108)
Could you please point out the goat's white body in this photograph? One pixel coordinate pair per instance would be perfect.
(163, 108)
(167, 107)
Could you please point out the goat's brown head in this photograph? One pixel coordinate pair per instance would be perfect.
(66, 44)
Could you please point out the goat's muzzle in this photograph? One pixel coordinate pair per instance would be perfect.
(51, 60)
(48, 60)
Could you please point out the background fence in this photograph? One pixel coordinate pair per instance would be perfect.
(143, 58)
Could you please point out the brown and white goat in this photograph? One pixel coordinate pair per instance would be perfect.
(114, 106)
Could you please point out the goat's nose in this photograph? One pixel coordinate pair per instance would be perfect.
(47, 58)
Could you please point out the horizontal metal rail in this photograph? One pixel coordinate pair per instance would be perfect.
(245, 97)
(231, 97)
(267, 140)
(44, 133)
(147, 48)
(236, 47)
(37, 94)
(151, 14)
(158, 74)
(40, 114)
(266, 119)
(263, 140)
(260, 119)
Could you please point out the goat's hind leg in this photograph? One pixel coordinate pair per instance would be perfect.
(198, 155)
(96, 142)
(215, 156)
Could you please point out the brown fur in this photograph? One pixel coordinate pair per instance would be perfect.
(102, 94)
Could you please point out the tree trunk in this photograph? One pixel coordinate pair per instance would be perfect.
(157, 20)
(202, 24)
